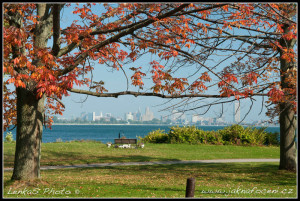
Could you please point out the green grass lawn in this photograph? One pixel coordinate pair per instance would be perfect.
(94, 152)
(158, 181)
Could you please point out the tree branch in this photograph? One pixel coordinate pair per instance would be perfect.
(136, 94)
(116, 37)
(74, 45)
(56, 99)
(241, 27)
(282, 16)
(56, 29)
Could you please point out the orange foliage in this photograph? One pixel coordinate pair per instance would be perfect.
(174, 37)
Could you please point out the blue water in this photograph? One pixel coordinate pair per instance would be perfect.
(107, 133)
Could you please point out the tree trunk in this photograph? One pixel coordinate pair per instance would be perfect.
(30, 116)
(287, 119)
(287, 137)
(30, 110)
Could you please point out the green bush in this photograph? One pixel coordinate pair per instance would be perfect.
(183, 134)
(257, 136)
(238, 135)
(157, 136)
(272, 139)
(231, 135)
(9, 137)
(213, 137)
(201, 136)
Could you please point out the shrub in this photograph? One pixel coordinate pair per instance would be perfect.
(231, 135)
(214, 137)
(201, 136)
(256, 136)
(237, 134)
(187, 134)
(9, 137)
(179, 134)
(272, 139)
(157, 136)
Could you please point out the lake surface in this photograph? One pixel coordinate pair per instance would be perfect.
(107, 133)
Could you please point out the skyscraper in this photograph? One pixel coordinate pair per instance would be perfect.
(148, 116)
(236, 112)
(139, 115)
(95, 118)
(128, 116)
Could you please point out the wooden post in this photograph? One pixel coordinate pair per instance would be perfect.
(190, 187)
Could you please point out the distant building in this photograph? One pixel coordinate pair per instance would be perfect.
(177, 116)
(86, 116)
(118, 118)
(148, 116)
(236, 112)
(196, 118)
(138, 115)
(220, 121)
(164, 118)
(89, 116)
(128, 116)
(96, 118)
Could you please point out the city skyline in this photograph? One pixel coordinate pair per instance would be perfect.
(174, 117)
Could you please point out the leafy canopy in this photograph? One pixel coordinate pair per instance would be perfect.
(255, 37)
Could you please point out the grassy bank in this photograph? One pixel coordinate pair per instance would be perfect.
(234, 180)
(69, 153)
(260, 180)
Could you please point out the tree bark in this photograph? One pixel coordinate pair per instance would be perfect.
(287, 118)
(30, 116)
(30, 110)
(287, 137)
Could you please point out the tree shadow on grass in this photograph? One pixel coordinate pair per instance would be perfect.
(73, 158)
(154, 188)
(262, 173)
(257, 173)
(247, 174)
(266, 173)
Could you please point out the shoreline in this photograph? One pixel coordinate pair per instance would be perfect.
(86, 124)
(71, 124)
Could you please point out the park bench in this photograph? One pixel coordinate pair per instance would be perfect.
(125, 143)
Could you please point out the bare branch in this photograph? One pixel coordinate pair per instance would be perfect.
(241, 27)
(250, 108)
(120, 67)
(136, 94)
(201, 9)
(191, 57)
(56, 29)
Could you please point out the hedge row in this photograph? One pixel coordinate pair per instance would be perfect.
(231, 135)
